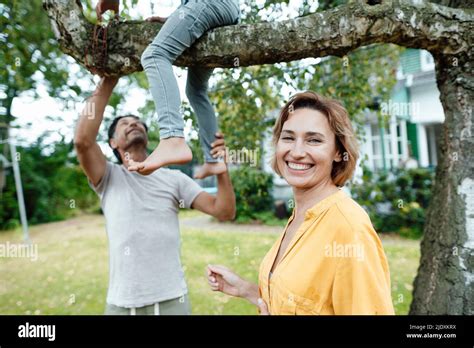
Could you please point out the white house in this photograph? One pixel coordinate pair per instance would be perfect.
(415, 117)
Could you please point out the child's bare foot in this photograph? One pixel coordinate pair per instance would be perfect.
(169, 151)
(210, 168)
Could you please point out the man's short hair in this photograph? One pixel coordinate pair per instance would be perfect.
(111, 132)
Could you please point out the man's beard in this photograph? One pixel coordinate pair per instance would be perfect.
(136, 141)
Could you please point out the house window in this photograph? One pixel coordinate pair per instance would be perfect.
(377, 156)
(389, 145)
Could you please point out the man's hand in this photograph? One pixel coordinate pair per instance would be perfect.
(106, 84)
(158, 19)
(218, 147)
(222, 205)
(104, 5)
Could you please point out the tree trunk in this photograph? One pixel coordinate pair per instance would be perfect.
(445, 279)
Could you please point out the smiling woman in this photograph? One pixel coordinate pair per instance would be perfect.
(329, 259)
(332, 135)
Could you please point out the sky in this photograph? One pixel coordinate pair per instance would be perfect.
(33, 114)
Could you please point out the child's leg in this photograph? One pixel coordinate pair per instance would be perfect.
(157, 61)
(196, 91)
(179, 32)
(219, 13)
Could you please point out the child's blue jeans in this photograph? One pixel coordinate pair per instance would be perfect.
(188, 23)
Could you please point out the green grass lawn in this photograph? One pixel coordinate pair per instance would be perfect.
(71, 273)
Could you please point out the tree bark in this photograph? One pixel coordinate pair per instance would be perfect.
(455, 3)
(332, 32)
(445, 280)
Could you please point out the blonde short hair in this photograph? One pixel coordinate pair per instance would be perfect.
(346, 142)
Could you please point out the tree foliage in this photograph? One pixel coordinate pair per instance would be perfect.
(53, 183)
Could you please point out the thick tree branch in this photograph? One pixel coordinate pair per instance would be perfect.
(335, 32)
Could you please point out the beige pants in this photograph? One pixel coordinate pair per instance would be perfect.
(177, 306)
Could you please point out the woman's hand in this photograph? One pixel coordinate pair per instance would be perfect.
(158, 19)
(262, 307)
(222, 279)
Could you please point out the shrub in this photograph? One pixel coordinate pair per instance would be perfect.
(54, 186)
(396, 201)
(252, 192)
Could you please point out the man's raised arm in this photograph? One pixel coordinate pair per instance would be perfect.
(222, 206)
(90, 155)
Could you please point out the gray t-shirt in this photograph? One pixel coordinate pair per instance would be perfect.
(141, 214)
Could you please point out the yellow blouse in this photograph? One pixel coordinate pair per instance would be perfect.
(335, 264)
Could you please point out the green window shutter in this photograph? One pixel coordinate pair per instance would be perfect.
(412, 139)
(410, 61)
